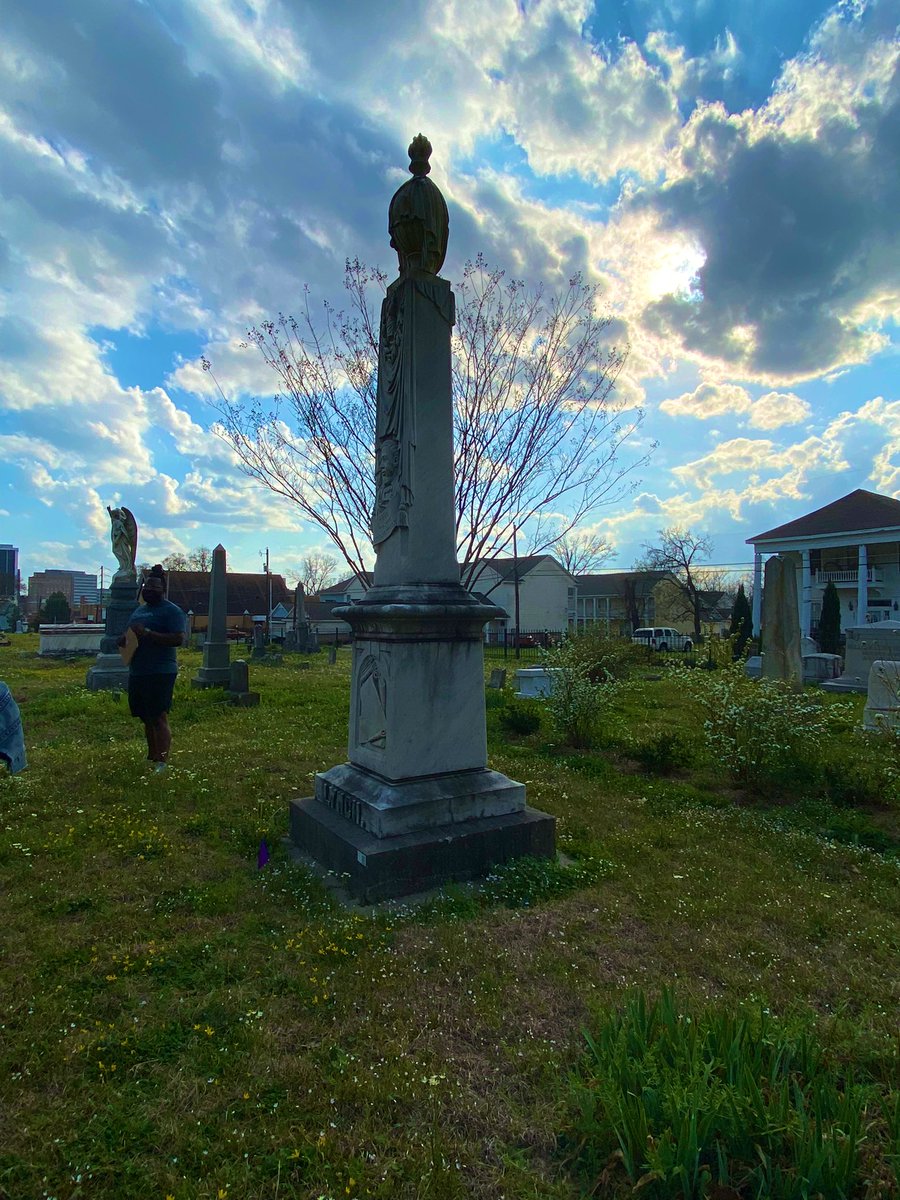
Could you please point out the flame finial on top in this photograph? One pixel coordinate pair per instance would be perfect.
(418, 221)
(419, 152)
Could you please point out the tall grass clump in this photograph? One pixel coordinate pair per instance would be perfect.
(711, 1103)
(764, 733)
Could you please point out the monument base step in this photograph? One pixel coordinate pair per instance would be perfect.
(108, 673)
(212, 677)
(844, 684)
(376, 868)
(243, 699)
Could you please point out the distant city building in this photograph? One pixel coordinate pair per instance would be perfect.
(9, 569)
(76, 586)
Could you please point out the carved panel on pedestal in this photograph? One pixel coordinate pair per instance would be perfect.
(371, 702)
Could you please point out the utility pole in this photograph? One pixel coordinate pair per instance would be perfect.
(269, 581)
(516, 585)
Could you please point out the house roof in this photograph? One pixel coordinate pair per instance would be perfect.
(505, 568)
(612, 583)
(247, 592)
(502, 567)
(340, 589)
(857, 511)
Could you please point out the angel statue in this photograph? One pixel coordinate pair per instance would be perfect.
(124, 536)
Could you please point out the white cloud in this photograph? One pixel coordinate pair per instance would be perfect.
(775, 409)
(708, 400)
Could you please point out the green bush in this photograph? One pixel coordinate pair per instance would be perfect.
(663, 752)
(521, 717)
(766, 735)
(695, 1103)
(605, 657)
(581, 697)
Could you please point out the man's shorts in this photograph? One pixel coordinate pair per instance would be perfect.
(150, 695)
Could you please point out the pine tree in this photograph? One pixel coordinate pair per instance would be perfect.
(55, 609)
(830, 620)
(741, 621)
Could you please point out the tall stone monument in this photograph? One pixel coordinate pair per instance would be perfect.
(108, 671)
(416, 804)
(216, 669)
(781, 657)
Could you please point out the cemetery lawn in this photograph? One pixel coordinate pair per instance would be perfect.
(175, 1022)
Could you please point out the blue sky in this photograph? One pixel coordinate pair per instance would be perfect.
(174, 170)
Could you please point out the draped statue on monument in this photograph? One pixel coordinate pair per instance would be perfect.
(419, 224)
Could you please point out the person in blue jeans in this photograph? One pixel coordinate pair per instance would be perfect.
(159, 627)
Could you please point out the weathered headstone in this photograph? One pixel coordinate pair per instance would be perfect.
(498, 678)
(866, 644)
(259, 642)
(109, 673)
(332, 654)
(882, 711)
(216, 671)
(239, 685)
(781, 657)
(416, 804)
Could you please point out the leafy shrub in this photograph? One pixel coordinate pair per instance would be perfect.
(663, 752)
(864, 780)
(605, 657)
(698, 1103)
(577, 701)
(765, 734)
(521, 717)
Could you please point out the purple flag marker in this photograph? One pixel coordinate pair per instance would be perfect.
(263, 857)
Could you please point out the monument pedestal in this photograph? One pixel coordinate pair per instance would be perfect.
(380, 868)
(109, 673)
(416, 806)
(866, 645)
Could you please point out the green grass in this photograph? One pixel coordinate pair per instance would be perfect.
(177, 1023)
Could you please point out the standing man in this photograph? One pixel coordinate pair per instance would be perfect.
(159, 627)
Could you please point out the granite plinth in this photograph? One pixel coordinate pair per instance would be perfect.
(213, 676)
(866, 645)
(108, 673)
(380, 868)
(389, 808)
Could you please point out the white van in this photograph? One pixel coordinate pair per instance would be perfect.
(663, 639)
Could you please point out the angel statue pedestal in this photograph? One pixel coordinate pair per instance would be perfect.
(416, 805)
(109, 672)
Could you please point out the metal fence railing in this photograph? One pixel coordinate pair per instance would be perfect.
(525, 644)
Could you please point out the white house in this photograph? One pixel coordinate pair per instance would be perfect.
(854, 543)
(546, 592)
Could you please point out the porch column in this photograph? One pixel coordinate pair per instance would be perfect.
(862, 586)
(805, 595)
(757, 592)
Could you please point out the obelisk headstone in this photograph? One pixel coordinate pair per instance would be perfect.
(108, 671)
(216, 670)
(781, 657)
(416, 804)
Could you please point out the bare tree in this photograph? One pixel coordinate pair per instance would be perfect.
(582, 553)
(538, 431)
(680, 554)
(198, 559)
(316, 572)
